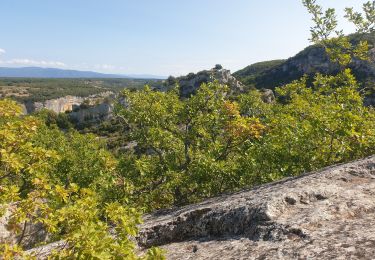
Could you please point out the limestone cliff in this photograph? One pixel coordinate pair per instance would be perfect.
(67, 103)
(59, 105)
(93, 113)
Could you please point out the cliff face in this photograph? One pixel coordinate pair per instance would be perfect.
(329, 214)
(95, 113)
(96, 107)
(310, 61)
(59, 105)
(67, 103)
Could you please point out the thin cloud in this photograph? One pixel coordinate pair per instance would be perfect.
(2, 51)
(28, 62)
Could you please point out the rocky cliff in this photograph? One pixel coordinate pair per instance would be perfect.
(328, 214)
(95, 113)
(310, 61)
(67, 103)
(59, 105)
(190, 83)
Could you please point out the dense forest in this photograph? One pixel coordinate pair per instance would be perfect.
(176, 151)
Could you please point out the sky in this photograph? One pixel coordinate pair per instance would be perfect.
(163, 37)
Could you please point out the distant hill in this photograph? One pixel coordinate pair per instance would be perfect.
(37, 72)
(249, 74)
(313, 59)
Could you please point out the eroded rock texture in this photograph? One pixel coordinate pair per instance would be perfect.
(329, 214)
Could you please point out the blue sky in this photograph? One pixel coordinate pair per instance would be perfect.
(163, 37)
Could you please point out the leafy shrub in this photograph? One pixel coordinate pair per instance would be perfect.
(58, 180)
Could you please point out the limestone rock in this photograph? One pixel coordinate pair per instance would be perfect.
(31, 234)
(310, 61)
(67, 103)
(267, 95)
(328, 214)
(93, 113)
(59, 105)
(190, 83)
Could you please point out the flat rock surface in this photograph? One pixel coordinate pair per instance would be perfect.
(328, 214)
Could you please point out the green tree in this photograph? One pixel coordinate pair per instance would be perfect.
(325, 32)
(317, 126)
(37, 183)
(215, 142)
(186, 149)
(313, 127)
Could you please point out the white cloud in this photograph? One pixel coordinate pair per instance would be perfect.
(28, 62)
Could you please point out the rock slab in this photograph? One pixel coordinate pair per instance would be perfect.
(329, 214)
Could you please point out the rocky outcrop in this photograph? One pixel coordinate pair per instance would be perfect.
(328, 214)
(93, 113)
(310, 61)
(59, 105)
(64, 104)
(190, 83)
(267, 95)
